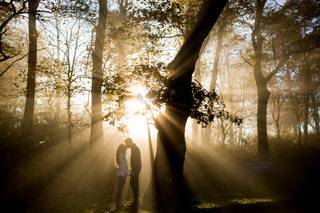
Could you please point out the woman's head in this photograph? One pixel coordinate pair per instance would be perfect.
(121, 149)
(129, 142)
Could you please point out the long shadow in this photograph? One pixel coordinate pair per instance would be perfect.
(27, 194)
(18, 199)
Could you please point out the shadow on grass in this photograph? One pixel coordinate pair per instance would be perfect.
(247, 205)
(256, 205)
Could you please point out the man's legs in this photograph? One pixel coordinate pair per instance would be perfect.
(121, 181)
(134, 182)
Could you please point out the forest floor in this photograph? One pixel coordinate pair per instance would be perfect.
(222, 180)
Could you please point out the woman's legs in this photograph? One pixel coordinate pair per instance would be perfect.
(121, 182)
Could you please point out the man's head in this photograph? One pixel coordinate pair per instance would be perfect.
(129, 142)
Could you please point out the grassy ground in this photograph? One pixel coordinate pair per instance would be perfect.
(222, 180)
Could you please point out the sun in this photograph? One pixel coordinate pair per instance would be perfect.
(137, 113)
(138, 102)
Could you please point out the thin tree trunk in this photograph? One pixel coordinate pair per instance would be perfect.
(69, 121)
(276, 100)
(242, 113)
(196, 137)
(278, 129)
(299, 133)
(27, 123)
(315, 109)
(208, 131)
(278, 117)
(216, 60)
(96, 133)
(223, 132)
(230, 97)
(58, 81)
(306, 118)
(70, 89)
(306, 82)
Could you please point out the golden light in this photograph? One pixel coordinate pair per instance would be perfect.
(137, 113)
(138, 90)
(138, 103)
(137, 127)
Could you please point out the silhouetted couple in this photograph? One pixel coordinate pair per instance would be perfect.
(122, 172)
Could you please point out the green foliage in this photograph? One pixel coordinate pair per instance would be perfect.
(161, 18)
(9, 12)
(85, 9)
(204, 107)
(207, 105)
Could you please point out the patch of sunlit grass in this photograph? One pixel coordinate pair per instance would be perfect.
(251, 200)
(208, 205)
(232, 202)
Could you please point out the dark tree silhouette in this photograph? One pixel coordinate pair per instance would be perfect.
(97, 74)
(32, 63)
(168, 182)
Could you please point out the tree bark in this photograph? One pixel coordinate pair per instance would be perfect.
(315, 109)
(230, 98)
(306, 82)
(27, 123)
(261, 82)
(263, 96)
(216, 60)
(276, 113)
(58, 81)
(299, 133)
(170, 190)
(96, 133)
(70, 125)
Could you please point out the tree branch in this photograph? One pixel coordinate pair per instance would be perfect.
(189, 52)
(245, 59)
(8, 67)
(284, 60)
(15, 61)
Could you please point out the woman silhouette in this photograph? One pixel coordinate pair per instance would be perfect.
(122, 171)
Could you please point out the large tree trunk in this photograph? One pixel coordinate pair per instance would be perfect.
(27, 122)
(96, 133)
(261, 82)
(170, 190)
(263, 96)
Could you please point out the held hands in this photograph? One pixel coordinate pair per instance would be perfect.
(130, 173)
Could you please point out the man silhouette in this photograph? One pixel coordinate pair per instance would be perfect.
(135, 162)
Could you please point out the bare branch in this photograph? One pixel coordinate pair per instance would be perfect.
(245, 59)
(15, 61)
(275, 70)
(284, 60)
